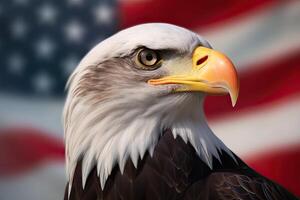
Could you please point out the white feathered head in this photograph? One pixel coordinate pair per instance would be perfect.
(135, 84)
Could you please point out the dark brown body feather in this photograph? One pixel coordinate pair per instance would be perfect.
(175, 172)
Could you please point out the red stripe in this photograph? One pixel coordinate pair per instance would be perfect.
(269, 82)
(22, 149)
(281, 166)
(191, 14)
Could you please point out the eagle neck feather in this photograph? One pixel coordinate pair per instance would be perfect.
(108, 134)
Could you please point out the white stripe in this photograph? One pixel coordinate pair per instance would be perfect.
(43, 114)
(45, 182)
(265, 34)
(260, 130)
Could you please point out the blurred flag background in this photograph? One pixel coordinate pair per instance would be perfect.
(41, 41)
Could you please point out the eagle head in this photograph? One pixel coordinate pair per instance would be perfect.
(135, 84)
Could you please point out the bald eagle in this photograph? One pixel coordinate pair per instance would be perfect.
(135, 127)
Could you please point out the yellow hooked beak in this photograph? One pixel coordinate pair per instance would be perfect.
(212, 73)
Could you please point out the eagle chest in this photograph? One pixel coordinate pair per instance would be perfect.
(171, 171)
(175, 172)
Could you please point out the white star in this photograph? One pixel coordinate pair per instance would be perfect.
(45, 47)
(18, 28)
(74, 31)
(16, 63)
(103, 14)
(42, 82)
(47, 13)
(69, 64)
(75, 2)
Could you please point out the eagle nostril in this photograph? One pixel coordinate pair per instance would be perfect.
(202, 60)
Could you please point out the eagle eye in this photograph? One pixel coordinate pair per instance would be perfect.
(148, 59)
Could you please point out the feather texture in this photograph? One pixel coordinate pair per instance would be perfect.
(176, 172)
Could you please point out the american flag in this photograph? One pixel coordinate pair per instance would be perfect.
(41, 42)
